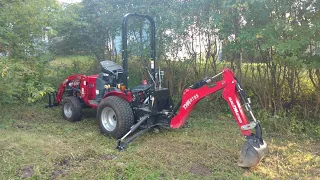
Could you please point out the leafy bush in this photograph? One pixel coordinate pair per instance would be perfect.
(22, 80)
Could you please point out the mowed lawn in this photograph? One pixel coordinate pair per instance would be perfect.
(38, 143)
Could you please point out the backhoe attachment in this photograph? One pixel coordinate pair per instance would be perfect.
(254, 148)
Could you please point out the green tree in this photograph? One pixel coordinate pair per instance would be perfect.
(72, 35)
(22, 25)
(22, 28)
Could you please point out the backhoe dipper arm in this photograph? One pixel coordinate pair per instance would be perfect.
(192, 95)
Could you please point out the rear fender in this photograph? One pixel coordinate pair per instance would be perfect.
(124, 95)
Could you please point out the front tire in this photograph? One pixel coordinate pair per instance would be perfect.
(71, 109)
(115, 117)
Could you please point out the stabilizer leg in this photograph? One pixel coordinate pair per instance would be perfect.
(122, 143)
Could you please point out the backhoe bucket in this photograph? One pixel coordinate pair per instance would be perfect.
(252, 152)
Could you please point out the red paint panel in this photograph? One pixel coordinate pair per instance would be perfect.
(92, 86)
(191, 97)
(126, 96)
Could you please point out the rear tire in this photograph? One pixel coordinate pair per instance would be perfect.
(115, 117)
(71, 109)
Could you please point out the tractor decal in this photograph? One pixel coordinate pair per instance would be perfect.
(187, 104)
(235, 110)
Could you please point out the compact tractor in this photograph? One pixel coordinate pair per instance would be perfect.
(125, 113)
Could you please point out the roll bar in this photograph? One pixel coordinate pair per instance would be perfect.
(125, 44)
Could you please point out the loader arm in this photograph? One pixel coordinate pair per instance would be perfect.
(64, 84)
(255, 148)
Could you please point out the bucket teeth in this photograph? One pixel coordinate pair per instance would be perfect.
(252, 152)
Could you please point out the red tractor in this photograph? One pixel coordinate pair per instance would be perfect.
(125, 113)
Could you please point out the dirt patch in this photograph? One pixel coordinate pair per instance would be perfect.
(58, 173)
(200, 170)
(61, 168)
(25, 172)
(64, 162)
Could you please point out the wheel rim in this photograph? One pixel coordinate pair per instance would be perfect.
(109, 119)
(67, 109)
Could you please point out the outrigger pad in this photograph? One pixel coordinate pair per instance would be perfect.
(121, 145)
(252, 152)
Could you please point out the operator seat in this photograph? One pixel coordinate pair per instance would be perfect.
(111, 73)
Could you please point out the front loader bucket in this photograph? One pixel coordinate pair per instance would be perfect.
(252, 152)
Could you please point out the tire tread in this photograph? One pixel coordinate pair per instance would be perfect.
(77, 114)
(125, 111)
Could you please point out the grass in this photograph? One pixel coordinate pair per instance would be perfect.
(63, 61)
(37, 143)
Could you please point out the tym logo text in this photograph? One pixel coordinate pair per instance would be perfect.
(187, 104)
